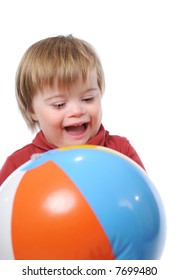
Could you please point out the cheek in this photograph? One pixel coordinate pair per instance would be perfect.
(96, 118)
(97, 113)
(49, 119)
(55, 121)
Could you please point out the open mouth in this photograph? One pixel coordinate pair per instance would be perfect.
(76, 130)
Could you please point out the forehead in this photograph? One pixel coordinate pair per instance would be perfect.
(80, 83)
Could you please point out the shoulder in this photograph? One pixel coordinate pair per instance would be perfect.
(38, 145)
(122, 144)
(15, 160)
(116, 142)
(22, 154)
(25, 152)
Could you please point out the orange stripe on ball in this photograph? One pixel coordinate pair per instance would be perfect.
(52, 220)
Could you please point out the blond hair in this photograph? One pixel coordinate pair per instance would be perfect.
(61, 58)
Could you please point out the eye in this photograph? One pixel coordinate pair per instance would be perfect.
(59, 105)
(88, 99)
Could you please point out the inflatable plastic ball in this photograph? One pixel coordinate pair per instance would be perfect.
(81, 202)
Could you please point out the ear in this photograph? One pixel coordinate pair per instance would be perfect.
(32, 114)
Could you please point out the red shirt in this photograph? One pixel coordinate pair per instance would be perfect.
(40, 145)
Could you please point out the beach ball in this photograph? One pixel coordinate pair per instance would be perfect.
(81, 203)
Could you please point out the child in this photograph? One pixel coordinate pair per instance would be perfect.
(59, 86)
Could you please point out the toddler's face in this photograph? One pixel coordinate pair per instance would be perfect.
(69, 116)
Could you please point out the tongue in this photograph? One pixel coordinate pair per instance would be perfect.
(75, 130)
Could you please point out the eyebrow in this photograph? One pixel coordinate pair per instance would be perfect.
(63, 95)
(90, 89)
(54, 97)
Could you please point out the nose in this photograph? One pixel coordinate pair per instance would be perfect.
(76, 109)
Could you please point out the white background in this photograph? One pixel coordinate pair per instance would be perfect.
(138, 43)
